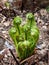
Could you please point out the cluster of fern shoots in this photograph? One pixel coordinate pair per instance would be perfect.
(24, 36)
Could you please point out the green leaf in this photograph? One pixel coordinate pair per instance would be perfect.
(47, 8)
(7, 4)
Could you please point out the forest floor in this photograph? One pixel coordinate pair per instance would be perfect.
(40, 56)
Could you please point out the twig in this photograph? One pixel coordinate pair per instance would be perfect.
(5, 38)
(14, 57)
(11, 50)
(26, 59)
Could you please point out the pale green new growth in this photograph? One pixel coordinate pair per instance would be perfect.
(25, 37)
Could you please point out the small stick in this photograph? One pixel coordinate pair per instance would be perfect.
(2, 36)
(14, 57)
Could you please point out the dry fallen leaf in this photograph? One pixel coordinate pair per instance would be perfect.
(1, 56)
